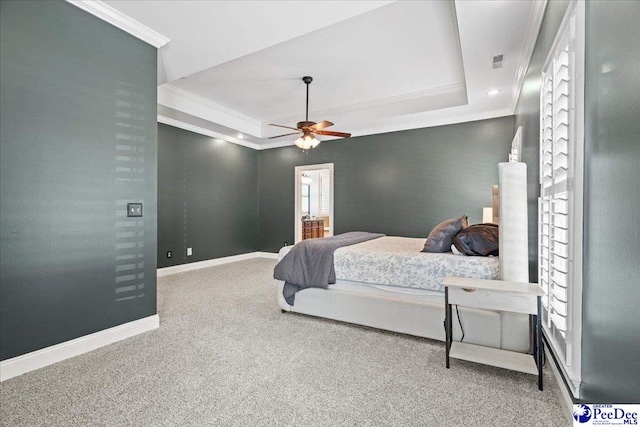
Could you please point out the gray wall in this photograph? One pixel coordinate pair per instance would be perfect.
(207, 197)
(400, 183)
(611, 287)
(528, 116)
(611, 276)
(77, 142)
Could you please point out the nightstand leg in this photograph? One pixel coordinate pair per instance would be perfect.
(447, 324)
(539, 345)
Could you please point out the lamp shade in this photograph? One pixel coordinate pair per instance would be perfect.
(487, 215)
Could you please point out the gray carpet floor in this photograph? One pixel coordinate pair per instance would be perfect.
(226, 355)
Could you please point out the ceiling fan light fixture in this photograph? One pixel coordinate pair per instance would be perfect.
(307, 142)
(309, 129)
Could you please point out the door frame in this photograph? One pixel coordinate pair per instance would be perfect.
(297, 230)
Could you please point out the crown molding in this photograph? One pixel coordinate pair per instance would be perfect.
(213, 134)
(408, 122)
(393, 125)
(122, 21)
(451, 89)
(529, 43)
(187, 102)
(458, 42)
(401, 124)
(279, 144)
(206, 132)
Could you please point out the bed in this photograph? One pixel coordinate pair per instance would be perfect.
(387, 283)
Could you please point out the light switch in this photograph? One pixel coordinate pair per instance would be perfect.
(134, 209)
(189, 251)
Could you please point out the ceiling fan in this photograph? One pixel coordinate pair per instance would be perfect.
(310, 129)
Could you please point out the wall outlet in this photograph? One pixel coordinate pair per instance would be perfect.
(189, 251)
(169, 254)
(286, 244)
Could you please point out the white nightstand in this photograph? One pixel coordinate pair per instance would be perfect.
(495, 295)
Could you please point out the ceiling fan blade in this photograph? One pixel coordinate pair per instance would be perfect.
(332, 133)
(286, 134)
(280, 126)
(323, 124)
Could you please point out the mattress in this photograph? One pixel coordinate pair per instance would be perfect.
(399, 262)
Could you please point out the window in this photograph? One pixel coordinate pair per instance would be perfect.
(560, 203)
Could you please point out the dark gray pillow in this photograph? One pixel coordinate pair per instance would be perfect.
(478, 240)
(441, 237)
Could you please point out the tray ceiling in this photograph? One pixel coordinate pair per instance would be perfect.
(378, 66)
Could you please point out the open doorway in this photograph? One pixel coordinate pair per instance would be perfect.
(313, 201)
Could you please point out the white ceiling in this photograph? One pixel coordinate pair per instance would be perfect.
(378, 66)
(352, 62)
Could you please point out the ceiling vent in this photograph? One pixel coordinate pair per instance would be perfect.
(497, 61)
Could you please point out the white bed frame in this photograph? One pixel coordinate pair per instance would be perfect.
(422, 313)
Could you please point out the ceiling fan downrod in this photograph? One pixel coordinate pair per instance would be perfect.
(307, 80)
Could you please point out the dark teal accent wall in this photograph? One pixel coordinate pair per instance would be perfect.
(400, 183)
(77, 143)
(611, 285)
(207, 197)
(528, 116)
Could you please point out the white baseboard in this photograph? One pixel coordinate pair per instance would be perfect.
(566, 402)
(56, 353)
(270, 255)
(211, 262)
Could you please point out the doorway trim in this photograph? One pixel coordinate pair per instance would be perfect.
(297, 230)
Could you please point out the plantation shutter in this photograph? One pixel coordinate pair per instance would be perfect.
(557, 142)
(561, 194)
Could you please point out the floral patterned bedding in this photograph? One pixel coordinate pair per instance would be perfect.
(398, 261)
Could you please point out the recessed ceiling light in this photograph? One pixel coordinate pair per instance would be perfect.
(241, 136)
(493, 92)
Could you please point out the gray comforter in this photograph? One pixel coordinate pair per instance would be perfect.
(310, 263)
